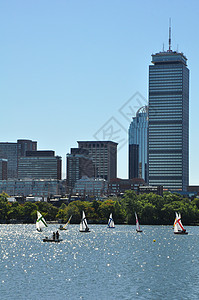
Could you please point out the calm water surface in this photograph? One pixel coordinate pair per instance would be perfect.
(103, 264)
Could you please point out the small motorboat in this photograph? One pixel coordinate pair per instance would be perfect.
(53, 239)
(50, 240)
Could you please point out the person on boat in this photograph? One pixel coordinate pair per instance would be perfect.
(57, 235)
(53, 235)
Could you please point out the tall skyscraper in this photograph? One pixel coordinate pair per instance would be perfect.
(133, 161)
(104, 156)
(168, 140)
(138, 135)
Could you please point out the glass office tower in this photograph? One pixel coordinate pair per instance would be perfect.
(168, 139)
(138, 133)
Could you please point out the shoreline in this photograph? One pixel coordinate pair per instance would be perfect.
(90, 224)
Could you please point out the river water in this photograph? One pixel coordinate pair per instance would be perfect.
(103, 264)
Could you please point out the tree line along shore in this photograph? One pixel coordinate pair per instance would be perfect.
(152, 210)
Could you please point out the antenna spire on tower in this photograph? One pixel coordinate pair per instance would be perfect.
(170, 35)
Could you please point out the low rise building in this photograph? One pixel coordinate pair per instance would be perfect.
(91, 187)
(117, 185)
(156, 189)
(36, 188)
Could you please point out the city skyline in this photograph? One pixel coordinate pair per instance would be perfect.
(69, 69)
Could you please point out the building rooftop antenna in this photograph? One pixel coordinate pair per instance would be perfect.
(170, 35)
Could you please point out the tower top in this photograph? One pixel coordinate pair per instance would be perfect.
(170, 36)
(169, 56)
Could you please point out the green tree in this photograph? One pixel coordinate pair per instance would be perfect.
(72, 209)
(4, 207)
(29, 212)
(132, 205)
(119, 212)
(48, 211)
(15, 212)
(106, 208)
(149, 215)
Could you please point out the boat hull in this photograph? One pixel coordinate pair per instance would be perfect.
(84, 231)
(62, 228)
(138, 230)
(181, 232)
(51, 240)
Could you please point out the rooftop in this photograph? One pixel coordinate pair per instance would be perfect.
(169, 57)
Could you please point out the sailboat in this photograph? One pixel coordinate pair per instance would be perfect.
(40, 223)
(65, 227)
(83, 224)
(111, 223)
(178, 227)
(137, 224)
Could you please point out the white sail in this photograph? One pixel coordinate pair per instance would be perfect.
(178, 227)
(175, 223)
(111, 223)
(83, 223)
(137, 223)
(40, 223)
(66, 225)
(180, 222)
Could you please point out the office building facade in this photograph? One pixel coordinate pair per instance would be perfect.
(90, 187)
(3, 169)
(104, 156)
(25, 145)
(40, 165)
(119, 186)
(9, 151)
(78, 164)
(138, 138)
(34, 187)
(168, 138)
(12, 152)
(133, 161)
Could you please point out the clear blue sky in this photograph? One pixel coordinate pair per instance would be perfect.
(68, 69)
